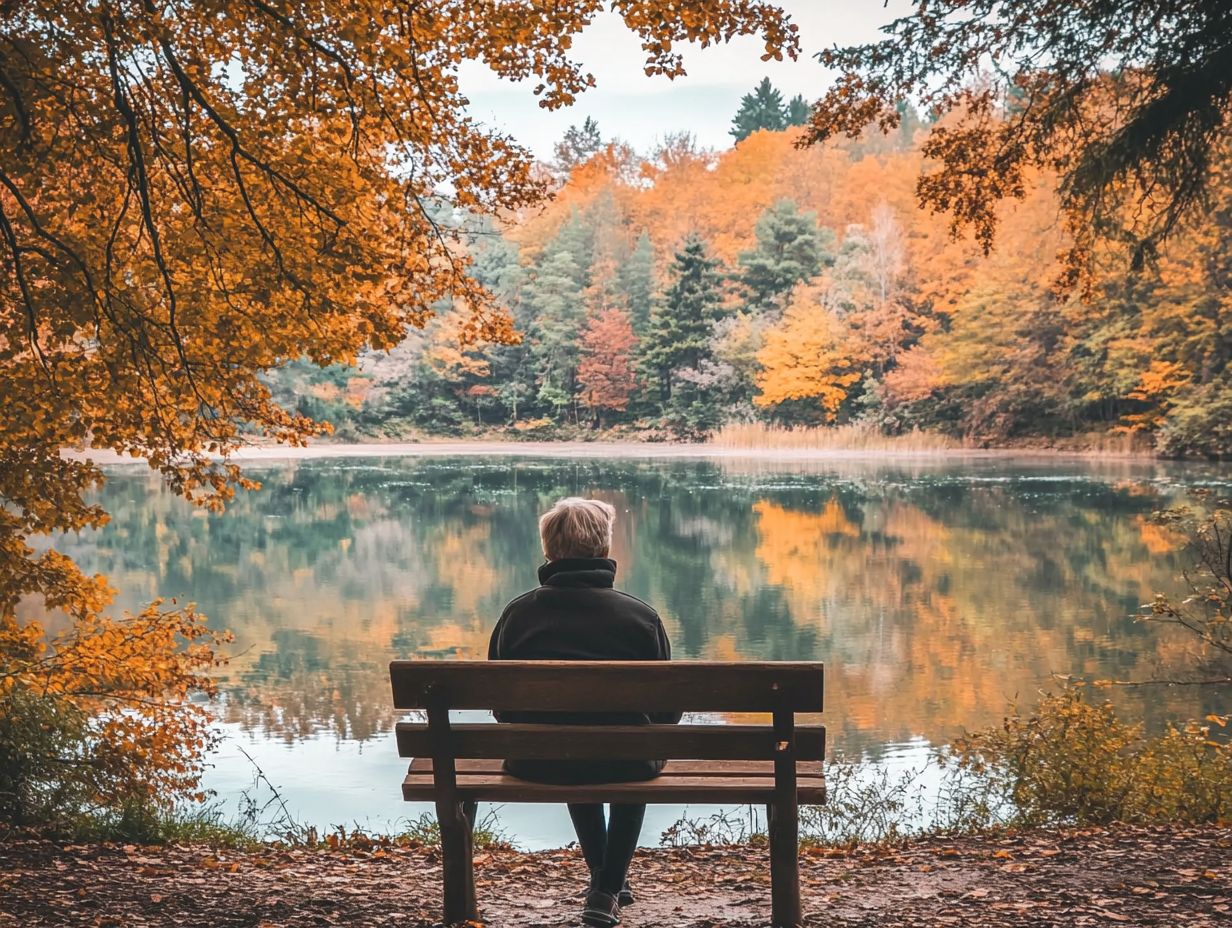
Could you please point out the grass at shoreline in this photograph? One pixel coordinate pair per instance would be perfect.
(921, 446)
(759, 436)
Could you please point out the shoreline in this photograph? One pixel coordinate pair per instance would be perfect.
(627, 450)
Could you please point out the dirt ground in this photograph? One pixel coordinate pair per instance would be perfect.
(1142, 877)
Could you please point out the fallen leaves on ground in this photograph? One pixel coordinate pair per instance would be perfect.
(1148, 877)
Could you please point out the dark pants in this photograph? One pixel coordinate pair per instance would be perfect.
(607, 846)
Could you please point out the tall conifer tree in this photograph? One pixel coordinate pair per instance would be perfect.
(637, 281)
(761, 109)
(578, 145)
(678, 345)
(791, 248)
(797, 111)
(559, 311)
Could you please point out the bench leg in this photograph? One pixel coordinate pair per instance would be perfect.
(784, 865)
(457, 863)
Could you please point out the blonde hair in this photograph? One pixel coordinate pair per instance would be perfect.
(577, 527)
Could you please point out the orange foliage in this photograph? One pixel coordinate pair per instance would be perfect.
(127, 683)
(190, 200)
(606, 369)
(808, 356)
(914, 378)
(1157, 384)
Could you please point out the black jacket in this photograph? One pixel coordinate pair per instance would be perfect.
(576, 615)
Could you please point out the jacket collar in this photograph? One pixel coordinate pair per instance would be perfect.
(579, 572)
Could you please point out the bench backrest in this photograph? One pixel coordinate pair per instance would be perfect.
(780, 688)
(609, 686)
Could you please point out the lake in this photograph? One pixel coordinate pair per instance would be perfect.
(936, 590)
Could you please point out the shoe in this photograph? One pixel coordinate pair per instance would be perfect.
(626, 896)
(602, 909)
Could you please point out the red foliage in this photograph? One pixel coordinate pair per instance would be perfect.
(606, 369)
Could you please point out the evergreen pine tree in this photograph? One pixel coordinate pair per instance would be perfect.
(637, 281)
(497, 266)
(761, 109)
(576, 238)
(791, 248)
(678, 344)
(797, 112)
(557, 312)
(496, 262)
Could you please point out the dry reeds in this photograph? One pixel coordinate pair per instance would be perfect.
(758, 436)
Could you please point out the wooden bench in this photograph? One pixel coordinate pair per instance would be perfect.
(458, 765)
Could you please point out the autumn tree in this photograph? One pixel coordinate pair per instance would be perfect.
(605, 372)
(458, 362)
(577, 146)
(230, 192)
(1127, 107)
(736, 342)
(1179, 337)
(192, 194)
(810, 360)
(98, 719)
(762, 108)
(869, 287)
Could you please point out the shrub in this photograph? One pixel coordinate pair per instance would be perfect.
(865, 804)
(1073, 761)
(1206, 613)
(1199, 424)
(426, 830)
(99, 721)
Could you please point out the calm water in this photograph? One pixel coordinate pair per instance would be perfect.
(935, 591)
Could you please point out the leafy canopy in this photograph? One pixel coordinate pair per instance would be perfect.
(1127, 103)
(194, 194)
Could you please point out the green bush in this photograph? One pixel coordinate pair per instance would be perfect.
(99, 721)
(43, 770)
(1200, 422)
(1072, 761)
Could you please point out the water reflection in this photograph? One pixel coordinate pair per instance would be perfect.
(934, 590)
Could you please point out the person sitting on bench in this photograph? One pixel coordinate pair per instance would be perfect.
(576, 614)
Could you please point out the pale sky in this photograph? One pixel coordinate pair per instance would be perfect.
(640, 110)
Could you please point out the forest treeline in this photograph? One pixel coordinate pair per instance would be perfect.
(666, 294)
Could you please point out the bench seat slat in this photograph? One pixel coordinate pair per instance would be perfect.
(676, 768)
(615, 742)
(610, 686)
(708, 782)
(733, 790)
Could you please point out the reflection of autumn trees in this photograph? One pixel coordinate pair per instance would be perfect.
(933, 592)
(936, 604)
